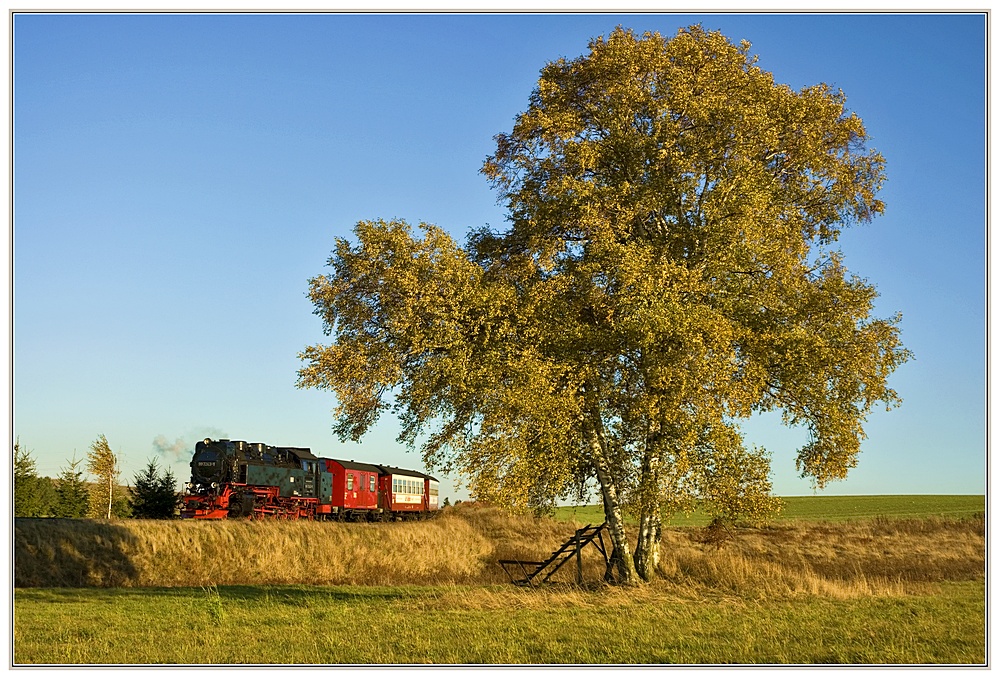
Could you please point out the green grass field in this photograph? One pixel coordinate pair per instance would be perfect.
(490, 625)
(827, 508)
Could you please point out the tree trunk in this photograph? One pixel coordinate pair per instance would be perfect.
(647, 548)
(621, 557)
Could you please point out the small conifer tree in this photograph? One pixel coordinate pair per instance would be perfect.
(72, 498)
(154, 495)
(33, 494)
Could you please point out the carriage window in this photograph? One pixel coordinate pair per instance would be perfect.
(350, 482)
(371, 483)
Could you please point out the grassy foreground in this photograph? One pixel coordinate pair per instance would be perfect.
(490, 625)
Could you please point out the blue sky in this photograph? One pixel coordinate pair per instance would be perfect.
(179, 178)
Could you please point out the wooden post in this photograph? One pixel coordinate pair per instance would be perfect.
(579, 559)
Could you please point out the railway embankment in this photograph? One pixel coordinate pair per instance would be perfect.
(463, 545)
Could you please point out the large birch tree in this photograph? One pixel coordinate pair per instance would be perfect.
(669, 269)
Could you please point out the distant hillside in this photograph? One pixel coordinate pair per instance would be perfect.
(828, 508)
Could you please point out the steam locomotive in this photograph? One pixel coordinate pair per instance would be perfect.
(236, 479)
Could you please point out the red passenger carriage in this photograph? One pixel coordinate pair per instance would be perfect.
(355, 489)
(407, 493)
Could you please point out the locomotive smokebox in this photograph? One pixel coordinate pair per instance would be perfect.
(208, 465)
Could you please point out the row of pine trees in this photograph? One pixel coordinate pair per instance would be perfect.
(92, 488)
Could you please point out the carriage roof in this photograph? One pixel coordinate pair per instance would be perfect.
(356, 466)
(396, 471)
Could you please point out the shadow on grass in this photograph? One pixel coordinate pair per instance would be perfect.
(72, 553)
(291, 595)
(296, 595)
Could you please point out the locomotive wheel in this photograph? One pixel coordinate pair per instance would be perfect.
(247, 503)
(241, 506)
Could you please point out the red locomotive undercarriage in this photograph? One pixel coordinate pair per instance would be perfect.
(267, 504)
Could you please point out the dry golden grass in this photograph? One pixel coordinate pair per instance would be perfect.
(845, 559)
(134, 553)
(461, 547)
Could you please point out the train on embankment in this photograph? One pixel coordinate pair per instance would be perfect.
(237, 479)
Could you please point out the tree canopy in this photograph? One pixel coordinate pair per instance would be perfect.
(669, 269)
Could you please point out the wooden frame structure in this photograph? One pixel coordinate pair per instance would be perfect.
(531, 570)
